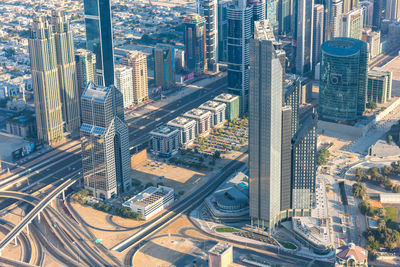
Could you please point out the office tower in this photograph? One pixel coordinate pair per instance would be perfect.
(138, 62)
(284, 16)
(164, 65)
(271, 11)
(286, 162)
(368, 12)
(373, 39)
(379, 13)
(222, 31)
(105, 142)
(179, 59)
(343, 79)
(45, 83)
(379, 86)
(303, 36)
(318, 32)
(304, 166)
(239, 33)
(208, 9)
(99, 38)
(124, 83)
(85, 62)
(333, 20)
(195, 43)
(392, 10)
(265, 124)
(232, 105)
(69, 93)
(352, 24)
(292, 99)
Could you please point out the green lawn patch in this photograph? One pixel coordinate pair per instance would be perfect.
(227, 230)
(288, 245)
(391, 214)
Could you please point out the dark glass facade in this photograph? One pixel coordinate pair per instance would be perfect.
(99, 38)
(343, 79)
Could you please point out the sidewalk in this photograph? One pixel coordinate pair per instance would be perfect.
(185, 90)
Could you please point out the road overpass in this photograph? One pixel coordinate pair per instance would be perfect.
(35, 212)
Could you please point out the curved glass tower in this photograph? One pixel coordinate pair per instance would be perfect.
(343, 82)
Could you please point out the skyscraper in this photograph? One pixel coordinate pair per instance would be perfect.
(343, 79)
(304, 35)
(67, 77)
(85, 62)
(208, 9)
(164, 65)
(222, 31)
(284, 16)
(99, 38)
(265, 123)
(318, 32)
(105, 142)
(392, 10)
(271, 13)
(352, 24)
(379, 13)
(368, 13)
(195, 43)
(138, 62)
(124, 83)
(332, 20)
(304, 167)
(239, 33)
(45, 82)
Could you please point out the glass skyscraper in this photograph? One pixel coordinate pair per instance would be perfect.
(99, 38)
(343, 79)
(195, 43)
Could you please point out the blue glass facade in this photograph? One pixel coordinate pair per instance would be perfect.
(99, 38)
(343, 79)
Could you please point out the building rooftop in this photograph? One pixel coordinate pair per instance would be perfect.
(96, 93)
(212, 105)
(219, 248)
(224, 97)
(351, 251)
(378, 74)
(197, 113)
(315, 230)
(180, 122)
(343, 46)
(149, 196)
(263, 30)
(164, 130)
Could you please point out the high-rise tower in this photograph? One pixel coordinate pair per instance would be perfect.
(99, 38)
(195, 43)
(265, 123)
(85, 62)
(138, 62)
(45, 82)
(105, 142)
(318, 32)
(67, 77)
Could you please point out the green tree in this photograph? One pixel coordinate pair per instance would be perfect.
(371, 105)
(359, 190)
(323, 156)
(390, 139)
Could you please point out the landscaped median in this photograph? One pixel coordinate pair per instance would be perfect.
(288, 245)
(226, 230)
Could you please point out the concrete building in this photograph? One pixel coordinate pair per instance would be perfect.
(151, 201)
(104, 142)
(292, 99)
(223, 31)
(45, 82)
(217, 110)
(333, 17)
(265, 124)
(179, 59)
(284, 16)
(165, 141)
(203, 119)
(286, 162)
(368, 12)
(232, 105)
(343, 80)
(138, 62)
(304, 165)
(392, 10)
(85, 62)
(351, 255)
(22, 124)
(240, 24)
(220, 255)
(67, 77)
(99, 38)
(208, 9)
(379, 88)
(124, 83)
(195, 43)
(318, 32)
(352, 24)
(373, 39)
(304, 35)
(164, 65)
(187, 130)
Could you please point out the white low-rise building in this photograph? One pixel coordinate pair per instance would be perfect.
(151, 201)
(187, 130)
(217, 109)
(165, 141)
(202, 118)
